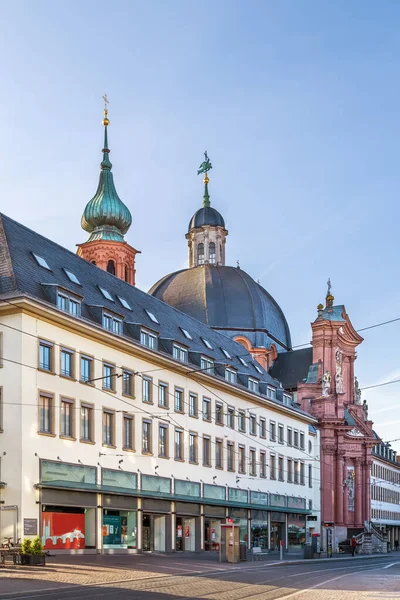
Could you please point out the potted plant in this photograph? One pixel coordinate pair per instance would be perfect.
(32, 552)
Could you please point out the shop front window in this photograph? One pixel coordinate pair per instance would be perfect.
(119, 529)
(296, 531)
(68, 528)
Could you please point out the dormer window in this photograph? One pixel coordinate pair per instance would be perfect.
(180, 353)
(207, 365)
(253, 385)
(68, 304)
(111, 323)
(148, 339)
(206, 343)
(106, 294)
(287, 399)
(151, 316)
(271, 393)
(72, 277)
(230, 375)
(41, 261)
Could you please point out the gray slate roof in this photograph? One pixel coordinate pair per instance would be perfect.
(21, 274)
(292, 367)
(207, 215)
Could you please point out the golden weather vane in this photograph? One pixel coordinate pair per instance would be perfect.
(106, 120)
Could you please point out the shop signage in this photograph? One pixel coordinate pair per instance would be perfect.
(187, 531)
(30, 526)
(179, 531)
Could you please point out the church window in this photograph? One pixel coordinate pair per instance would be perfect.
(151, 316)
(93, 262)
(126, 274)
(206, 343)
(106, 294)
(186, 333)
(226, 353)
(124, 303)
(41, 261)
(200, 254)
(212, 253)
(111, 267)
(72, 277)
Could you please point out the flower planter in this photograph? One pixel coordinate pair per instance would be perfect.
(33, 559)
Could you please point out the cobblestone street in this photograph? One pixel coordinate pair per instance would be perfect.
(162, 578)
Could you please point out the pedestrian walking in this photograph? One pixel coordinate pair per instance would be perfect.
(353, 545)
(396, 545)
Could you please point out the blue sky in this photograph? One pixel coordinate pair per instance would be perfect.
(298, 105)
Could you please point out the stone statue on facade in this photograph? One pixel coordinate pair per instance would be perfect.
(338, 374)
(365, 409)
(357, 392)
(326, 383)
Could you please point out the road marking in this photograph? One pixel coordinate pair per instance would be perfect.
(391, 565)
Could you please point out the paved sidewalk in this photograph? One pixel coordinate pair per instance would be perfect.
(62, 571)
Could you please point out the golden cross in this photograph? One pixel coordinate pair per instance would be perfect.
(106, 101)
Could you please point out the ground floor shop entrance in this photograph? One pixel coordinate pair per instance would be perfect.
(185, 534)
(154, 533)
(212, 534)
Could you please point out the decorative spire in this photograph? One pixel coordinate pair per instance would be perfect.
(106, 217)
(204, 168)
(329, 297)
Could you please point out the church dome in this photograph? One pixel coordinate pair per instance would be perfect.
(226, 298)
(206, 216)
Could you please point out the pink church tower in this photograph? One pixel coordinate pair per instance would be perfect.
(332, 394)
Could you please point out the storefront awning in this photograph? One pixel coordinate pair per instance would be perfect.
(105, 489)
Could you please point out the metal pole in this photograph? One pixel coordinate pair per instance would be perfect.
(281, 550)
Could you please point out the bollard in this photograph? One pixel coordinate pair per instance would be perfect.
(281, 550)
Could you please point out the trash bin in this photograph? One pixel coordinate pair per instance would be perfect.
(308, 551)
(243, 551)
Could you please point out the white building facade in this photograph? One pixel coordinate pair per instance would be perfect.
(385, 491)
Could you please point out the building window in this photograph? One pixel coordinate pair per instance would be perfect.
(230, 417)
(67, 362)
(192, 405)
(310, 476)
(127, 432)
(219, 451)
(111, 267)
(108, 376)
(180, 353)
(253, 425)
(87, 423)
(147, 442)
(253, 463)
(241, 459)
(290, 470)
(272, 431)
(219, 413)
(147, 389)
(163, 394)
(302, 474)
(281, 435)
(271, 393)
(200, 254)
(287, 399)
(127, 383)
(112, 324)
(263, 428)
(281, 468)
(253, 385)
(86, 369)
(302, 441)
(242, 420)
(211, 253)
(193, 448)
(296, 471)
(46, 405)
(108, 427)
(179, 400)
(296, 439)
(231, 456)
(206, 409)
(207, 365)
(230, 375)
(148, 339)
(263, 465)
(46, 350)
(163, 441)
(178, 444)
(206, 451)
(289, 436)
(67, 418)
(272, 466)
(68, 304)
